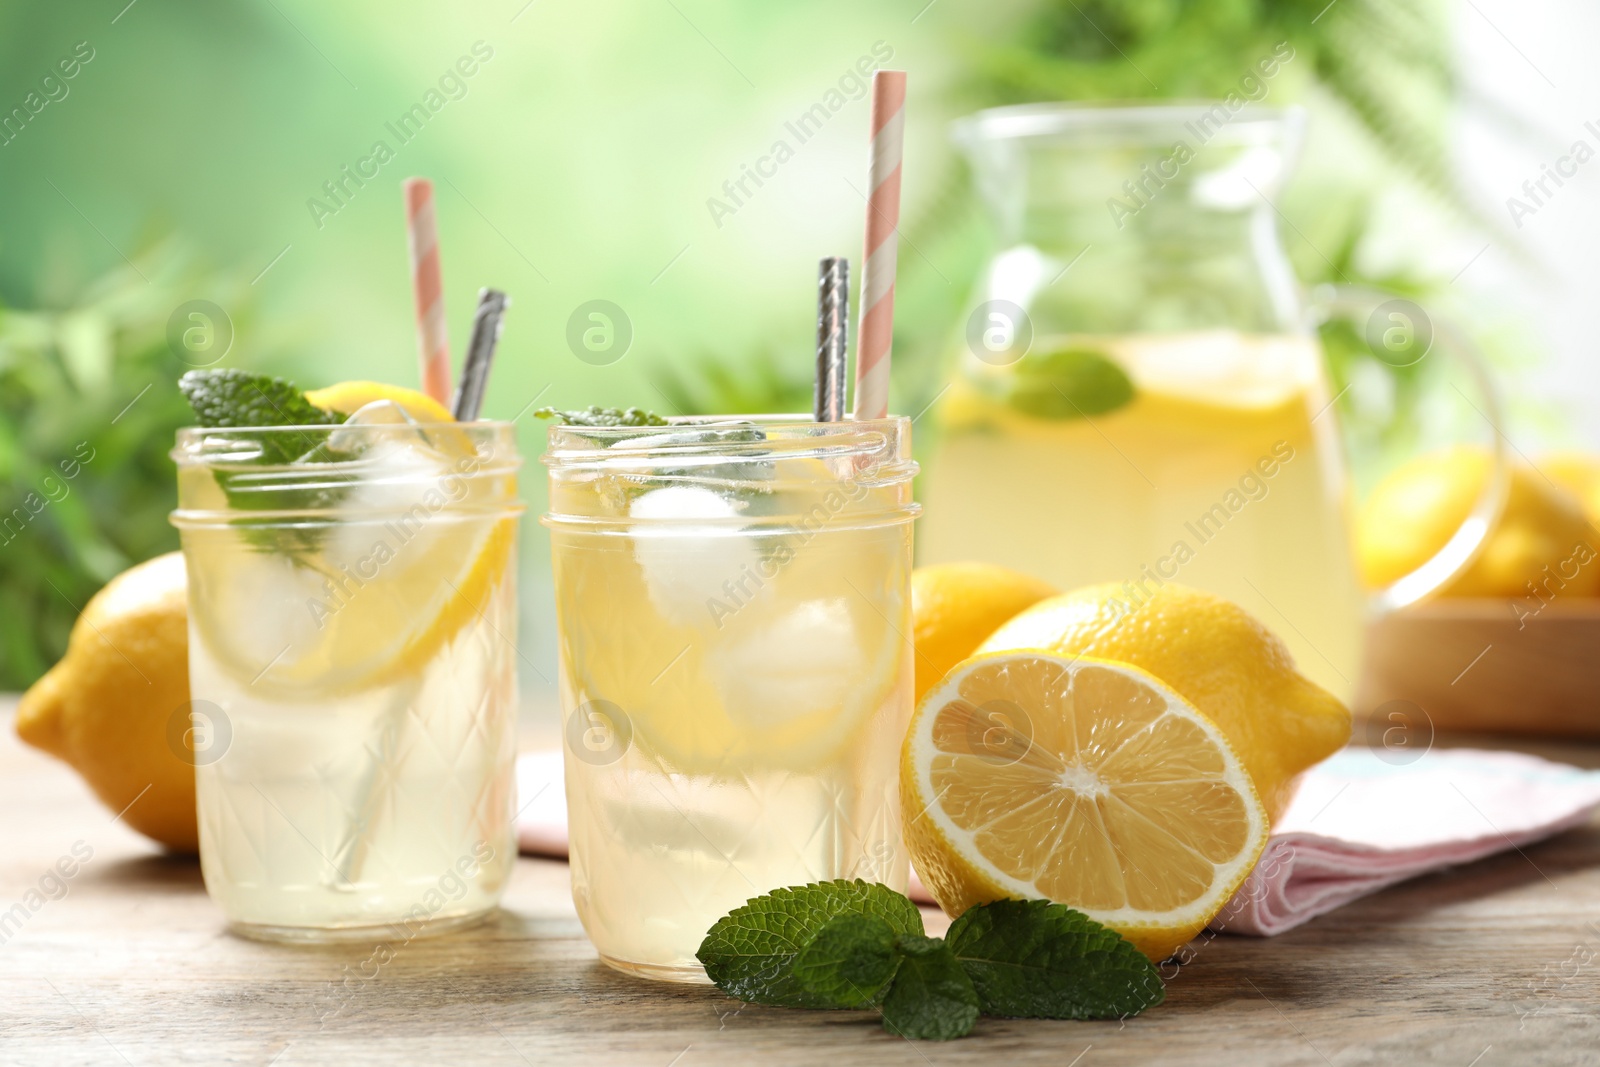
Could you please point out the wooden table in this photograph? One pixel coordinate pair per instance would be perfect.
(1493, 964)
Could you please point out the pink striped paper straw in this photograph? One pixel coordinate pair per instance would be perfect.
(433, 342)
(876, 334)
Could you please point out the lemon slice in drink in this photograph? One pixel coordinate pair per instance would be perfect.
(349, 397)
(1088, 782)
(295, 630)
(781, 669)
(377, 595)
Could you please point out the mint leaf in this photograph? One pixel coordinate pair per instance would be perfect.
(750, 952)
(236, 399)
(849, 961)
(854, 945)
(1067, 383)
(932, 998)
(595, 415)
(1035, 959)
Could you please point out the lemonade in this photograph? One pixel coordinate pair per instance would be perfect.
(734, 613)
(351, 613)
(1202, 458)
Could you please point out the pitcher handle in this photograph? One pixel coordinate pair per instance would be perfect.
(1360, 302)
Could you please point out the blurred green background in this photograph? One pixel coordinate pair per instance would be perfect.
(575, 164)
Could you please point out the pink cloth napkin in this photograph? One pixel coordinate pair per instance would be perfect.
(1358, 824)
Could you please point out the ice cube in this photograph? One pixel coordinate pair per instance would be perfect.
(399, 475)
(803, 661)
(258, 604)
(686, 565)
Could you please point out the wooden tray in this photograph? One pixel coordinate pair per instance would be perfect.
(1473, 665)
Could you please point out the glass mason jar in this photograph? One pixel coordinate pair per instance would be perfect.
(1140, 398)
(352, 608)
(733, 599)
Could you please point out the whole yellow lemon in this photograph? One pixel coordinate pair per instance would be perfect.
(954, 606)
(109, 706)
(1579, 474)
(1417, 509)
(1215, 655)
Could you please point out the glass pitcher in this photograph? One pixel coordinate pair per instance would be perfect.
(1140, 397)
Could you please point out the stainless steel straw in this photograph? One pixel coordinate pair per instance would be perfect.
(486, 323)
(833, 337)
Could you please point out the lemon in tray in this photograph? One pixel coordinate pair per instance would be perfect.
(1542, 528)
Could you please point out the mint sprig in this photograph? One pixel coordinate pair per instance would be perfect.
(932, 998)
(851, 944)
(236, 398)
(750, 952)
(229, 398)
(595, 415)
(850, 961)
(1035, 959)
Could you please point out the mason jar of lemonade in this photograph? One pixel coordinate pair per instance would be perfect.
(1139, 397)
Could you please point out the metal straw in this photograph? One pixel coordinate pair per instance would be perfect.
(833, 337)
(486, 323)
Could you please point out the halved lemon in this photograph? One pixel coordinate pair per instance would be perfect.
(1087, 782)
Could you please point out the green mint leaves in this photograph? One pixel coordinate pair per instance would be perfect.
(932, 998)
(1067, 383)
(858, 945)
(237, 398)
(849, 961)
(599, 416)
(750, 952)
(1034, 959)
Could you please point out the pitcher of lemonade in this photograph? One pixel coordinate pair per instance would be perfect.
(1140, 396)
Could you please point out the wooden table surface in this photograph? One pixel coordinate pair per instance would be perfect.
(1492, 964)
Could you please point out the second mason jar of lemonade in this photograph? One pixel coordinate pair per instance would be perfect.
(734, 609)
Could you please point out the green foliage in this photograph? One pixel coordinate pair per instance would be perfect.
(759, 384)
(1386, 60)
(88, 408)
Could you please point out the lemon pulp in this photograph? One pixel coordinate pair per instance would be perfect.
(1087, 782)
